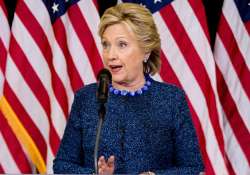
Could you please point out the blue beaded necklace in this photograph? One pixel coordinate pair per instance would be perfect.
(132, 93)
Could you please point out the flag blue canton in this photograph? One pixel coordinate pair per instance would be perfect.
(152, 5)
(244, 9)
(57, 8)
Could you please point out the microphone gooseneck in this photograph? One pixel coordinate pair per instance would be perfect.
(104, 79)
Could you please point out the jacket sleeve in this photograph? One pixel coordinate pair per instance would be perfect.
(187, 156)
(70, 156)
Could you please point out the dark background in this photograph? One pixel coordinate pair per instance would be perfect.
(212, 7)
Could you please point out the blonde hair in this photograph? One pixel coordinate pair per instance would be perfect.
(142, 24)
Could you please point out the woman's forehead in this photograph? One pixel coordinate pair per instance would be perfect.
(119, 30)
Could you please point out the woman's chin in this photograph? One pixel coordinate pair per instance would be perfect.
(118, 79)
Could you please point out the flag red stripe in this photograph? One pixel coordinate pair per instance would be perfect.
(247, 25)
(14, 146)
(167, 72)
(86, 38)
(26, 121)
(2, 5)
(199, 11)
(233, 116)
(42, 42)
(96, 4)
(60, 34)
(197, 67)
(1, 169)
(3, 51)
(3, 56)
(235, 54)
(169, 76)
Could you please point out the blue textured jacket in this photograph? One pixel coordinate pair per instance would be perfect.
(149, 132)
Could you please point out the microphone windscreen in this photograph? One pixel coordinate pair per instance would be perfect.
(104, 79)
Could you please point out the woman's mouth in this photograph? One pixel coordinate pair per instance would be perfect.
(115, 68)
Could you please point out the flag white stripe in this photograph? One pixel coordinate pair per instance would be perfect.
(196, 34)
(40, 66)
(92, 18)
(157, 77)
(26, 96)
(7, 161)
(193, 92)
(4, 37)
(240, 33)
(78, 53)
(49, 162)
(60, 64)
(4, 32)
(235, 154)
(233, 83)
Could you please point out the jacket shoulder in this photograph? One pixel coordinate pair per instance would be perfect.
(168, 89)
(89, 89)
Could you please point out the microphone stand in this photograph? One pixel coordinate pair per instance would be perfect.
(101, 113)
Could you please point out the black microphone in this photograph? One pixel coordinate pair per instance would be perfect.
(104, 79)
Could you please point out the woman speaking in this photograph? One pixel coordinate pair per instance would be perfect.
(148, 128)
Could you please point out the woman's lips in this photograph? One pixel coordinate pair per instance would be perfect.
(115, 68)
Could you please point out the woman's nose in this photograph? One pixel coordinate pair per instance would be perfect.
(112, 54)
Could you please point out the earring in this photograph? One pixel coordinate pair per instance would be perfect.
(146, 58)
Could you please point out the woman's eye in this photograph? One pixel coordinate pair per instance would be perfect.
(104, 44)
(122, 44)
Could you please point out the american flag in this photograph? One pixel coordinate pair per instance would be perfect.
(232, 56)
(54, 50)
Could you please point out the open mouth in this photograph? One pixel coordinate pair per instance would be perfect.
(115, 68)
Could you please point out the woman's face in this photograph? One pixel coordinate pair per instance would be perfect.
(122, 54)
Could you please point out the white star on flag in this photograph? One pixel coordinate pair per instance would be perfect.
(155, 1)
(55, 7)
(143, 5)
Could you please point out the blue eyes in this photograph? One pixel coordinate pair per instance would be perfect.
(120, 44)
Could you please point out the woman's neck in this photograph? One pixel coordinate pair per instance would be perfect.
(130, 86)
